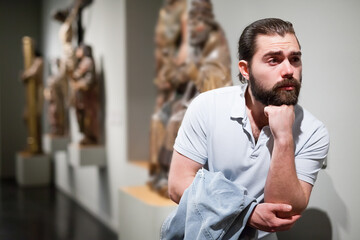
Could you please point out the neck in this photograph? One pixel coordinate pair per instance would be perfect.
(255, 110)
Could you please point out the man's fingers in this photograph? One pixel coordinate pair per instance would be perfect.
(282, 207)
(267, 217)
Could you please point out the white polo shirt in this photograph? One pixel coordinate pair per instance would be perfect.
(216, 132)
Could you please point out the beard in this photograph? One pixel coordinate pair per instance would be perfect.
(276, 96)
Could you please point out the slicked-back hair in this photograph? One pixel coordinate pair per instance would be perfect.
(267, 26)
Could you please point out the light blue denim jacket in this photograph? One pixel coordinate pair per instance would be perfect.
(212, 207)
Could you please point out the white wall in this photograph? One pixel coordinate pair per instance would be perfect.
(140, 66)
(105, 26)
(329, 33)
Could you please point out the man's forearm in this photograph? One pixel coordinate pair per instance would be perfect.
(282, 184)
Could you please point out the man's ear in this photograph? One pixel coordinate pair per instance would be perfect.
(244, 69)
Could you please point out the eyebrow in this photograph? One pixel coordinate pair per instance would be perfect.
(277, 53)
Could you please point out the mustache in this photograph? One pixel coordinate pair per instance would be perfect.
(289, 82)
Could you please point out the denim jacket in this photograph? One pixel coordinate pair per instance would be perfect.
(212, 207)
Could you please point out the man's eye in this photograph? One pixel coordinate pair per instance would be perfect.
(273, 61)
(295, 60)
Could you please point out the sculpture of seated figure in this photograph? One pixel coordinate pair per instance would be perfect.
(207, 67)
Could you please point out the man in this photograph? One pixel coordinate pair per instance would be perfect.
(256, 134)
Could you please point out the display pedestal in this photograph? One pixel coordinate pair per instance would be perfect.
(141, 213)
(32, 170)
(91, 155)
(51, 144)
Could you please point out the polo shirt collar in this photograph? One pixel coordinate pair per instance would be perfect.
(238, 110)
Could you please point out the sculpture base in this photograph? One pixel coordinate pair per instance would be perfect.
(32, 170)
(51, 143)
(90, 155)
(139, 206)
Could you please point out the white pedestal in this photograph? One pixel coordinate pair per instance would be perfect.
(32, 170)
(92, 155)
(51, 144)
(141, 213)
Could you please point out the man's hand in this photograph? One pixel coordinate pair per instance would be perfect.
(265, 217)
(281, 120)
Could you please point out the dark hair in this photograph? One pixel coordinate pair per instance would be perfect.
(267, 26)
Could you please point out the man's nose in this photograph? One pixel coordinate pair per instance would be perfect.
(287, 70)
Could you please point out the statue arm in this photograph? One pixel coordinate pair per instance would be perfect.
(34, 70)
(83, 75)
(184, 47)
(73, 12)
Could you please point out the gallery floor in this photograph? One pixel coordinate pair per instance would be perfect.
(43, 213)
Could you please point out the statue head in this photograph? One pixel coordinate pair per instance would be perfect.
(83, 50)
(201, 21)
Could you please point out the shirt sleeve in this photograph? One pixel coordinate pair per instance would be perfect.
(309, 160)
(191, 140)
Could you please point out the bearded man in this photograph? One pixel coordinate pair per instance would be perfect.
(267, 148)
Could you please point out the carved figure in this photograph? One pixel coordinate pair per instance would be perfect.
(67, 17)
(85, 95)
(55, 94)
(71, 68)
(32, 78)
(207, 67)
(170, 53)
(210, 64)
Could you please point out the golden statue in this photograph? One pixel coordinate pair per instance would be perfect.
(32, 78)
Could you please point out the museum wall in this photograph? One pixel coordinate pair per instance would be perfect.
(140, 68)
(329, 35)
(106, 28)
(17, 19)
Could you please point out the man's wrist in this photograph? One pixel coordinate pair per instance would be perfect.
(284, 140)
